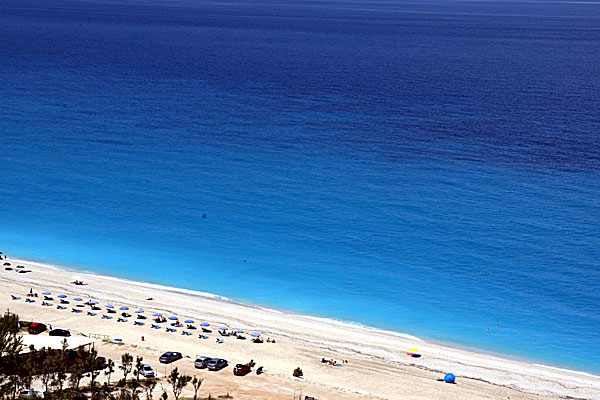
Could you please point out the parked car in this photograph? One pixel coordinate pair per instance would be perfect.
(216, 364)
(170, 356)
(59, 332)
(147, 371)
(241, 369)
(31, 394)
(201, 361)
(36, 328)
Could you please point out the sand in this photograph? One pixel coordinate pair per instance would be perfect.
(377, 368)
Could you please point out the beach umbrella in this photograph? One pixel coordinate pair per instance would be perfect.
(255, 334)
(204, 324)
(413, 350)
(124, 308)
(223, 328)
(78, 299)
(449, 378)
(138, 311)
(62, 296)
(157, 314)
(173, 318)
(46, 293)
(239, 331)
(109, 306)
(189, 321)
(93, 302)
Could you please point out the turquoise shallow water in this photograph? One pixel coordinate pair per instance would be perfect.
(426, 168)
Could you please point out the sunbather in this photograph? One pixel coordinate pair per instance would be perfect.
(126, 315)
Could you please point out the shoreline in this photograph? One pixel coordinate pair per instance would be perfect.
(333, 321)
(322, 335)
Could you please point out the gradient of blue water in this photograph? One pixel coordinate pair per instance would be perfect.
(430, 168)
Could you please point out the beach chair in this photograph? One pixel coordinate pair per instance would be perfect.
(186, 333)
(15, 297)
(59, 307)
(154, 326)
(75, 310)
(122, 320)
(219, 340)
(241, 337)
(171, 330)
(205, 330)
(140, 316)
(106, 317)
(92, 314)
(63, 301)
(48, 298)
(96, 308)
(202, 337)
(28, 300)
(138, 323)
(111, 311)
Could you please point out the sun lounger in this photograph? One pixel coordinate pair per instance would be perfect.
(28, 300)
(202, 337)
(186, 333)
(111, 311)
(76, 310)
(96, 308)
(219, 340)
(138, 323)
(107, 317)
(48, 298)
(191, 327)
(15, 297)
(171, 330)
(155, 326)
(64, 302)
(241, 337)
(46, 303)
(206, 330)
(140, 316)
(122, 320)
(59, 307)
(257, 340)
(91, 313)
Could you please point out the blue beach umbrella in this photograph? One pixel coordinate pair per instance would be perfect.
(62, 296)
(223, 328)
(204, 324)
(255, 334)
(124, 308)
(93, 302)
(109, 306)
(239, 331)
(78, 299)
(189, 321)
(138, 311)
(46, 293)
(449, 378)
(173, 318)
(157, 314)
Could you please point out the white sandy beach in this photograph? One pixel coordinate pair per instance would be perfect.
(378, 366)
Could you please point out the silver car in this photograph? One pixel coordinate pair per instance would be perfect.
(147, 371)
(201, 361)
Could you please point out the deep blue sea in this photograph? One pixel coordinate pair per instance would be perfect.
(426, 167)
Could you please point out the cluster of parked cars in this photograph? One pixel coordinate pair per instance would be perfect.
(210, 363)
(37, 327)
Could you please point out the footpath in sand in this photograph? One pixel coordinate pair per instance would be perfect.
(378, 366)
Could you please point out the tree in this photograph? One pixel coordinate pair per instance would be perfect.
(110, 368)
(178, 382)
(149, 385)
(139, 363)
(91, 365)
(10, 343)
(196, 382)
(126, 365)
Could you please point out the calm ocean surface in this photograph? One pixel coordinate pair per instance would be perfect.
(427, 167)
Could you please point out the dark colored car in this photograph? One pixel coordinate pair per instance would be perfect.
(241, 369)
(36, 328)
(170, 356)
(216, 364)
(59, 332)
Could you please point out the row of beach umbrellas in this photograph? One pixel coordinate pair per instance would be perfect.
(172, 318)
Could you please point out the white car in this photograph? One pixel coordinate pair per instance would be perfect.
(31, 394)
(147, 371)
